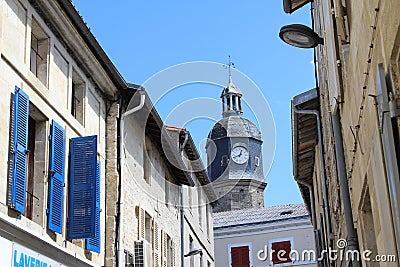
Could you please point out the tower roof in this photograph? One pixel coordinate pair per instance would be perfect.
(231, 88)
(235, 126)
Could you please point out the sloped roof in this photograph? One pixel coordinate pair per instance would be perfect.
(260, 215)
(231, 89)
(235, 126)
(177, 135)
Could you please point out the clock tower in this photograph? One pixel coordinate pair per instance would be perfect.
(234, 156)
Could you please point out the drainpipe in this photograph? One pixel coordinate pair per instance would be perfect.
(313, 215)
(121, 185)
(322, 167)
(310, 188)
(352, 241)
(182, 229)
(182, 147)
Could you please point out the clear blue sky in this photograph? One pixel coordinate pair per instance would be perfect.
(145, 37)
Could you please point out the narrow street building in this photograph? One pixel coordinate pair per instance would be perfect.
(253, 237)
(165, 214)
(56, 92)
(346, 132)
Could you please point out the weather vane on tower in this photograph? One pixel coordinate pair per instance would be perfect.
(230, 64)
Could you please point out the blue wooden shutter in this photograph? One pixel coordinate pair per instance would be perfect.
(82, 187)
(56, 178)
(93, 243)
(21, 116)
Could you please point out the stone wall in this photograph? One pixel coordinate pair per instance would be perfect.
(111, 187)
(355, 43)
(239, 194)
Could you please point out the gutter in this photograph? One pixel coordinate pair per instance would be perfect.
(182, 228)
(313, 214)
(121, 163)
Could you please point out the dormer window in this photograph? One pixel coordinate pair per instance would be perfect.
(286, 212)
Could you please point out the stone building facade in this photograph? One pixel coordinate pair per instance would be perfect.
(72, 191)
(56, 93)
(349, 175)
(165, 195)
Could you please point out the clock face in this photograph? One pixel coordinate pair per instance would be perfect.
(240, 154)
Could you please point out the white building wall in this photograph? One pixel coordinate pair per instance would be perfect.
(53, 100)
(194, 228)
(260, 237)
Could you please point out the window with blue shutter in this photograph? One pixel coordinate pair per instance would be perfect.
(82, 187)
(56, 178)
(20, 146)
(93, 243)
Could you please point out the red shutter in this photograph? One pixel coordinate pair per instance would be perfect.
(240, 256)
(281, 246)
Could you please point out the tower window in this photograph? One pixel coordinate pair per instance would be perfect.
(256, 161)
(224, 160)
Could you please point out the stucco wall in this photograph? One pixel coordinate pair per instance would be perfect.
(260, 236)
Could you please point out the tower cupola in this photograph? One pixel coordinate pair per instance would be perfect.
(231, 97)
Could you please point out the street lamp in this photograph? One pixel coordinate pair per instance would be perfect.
(299, 35)
(195, 252)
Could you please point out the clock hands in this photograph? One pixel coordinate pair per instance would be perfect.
(238, 155)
